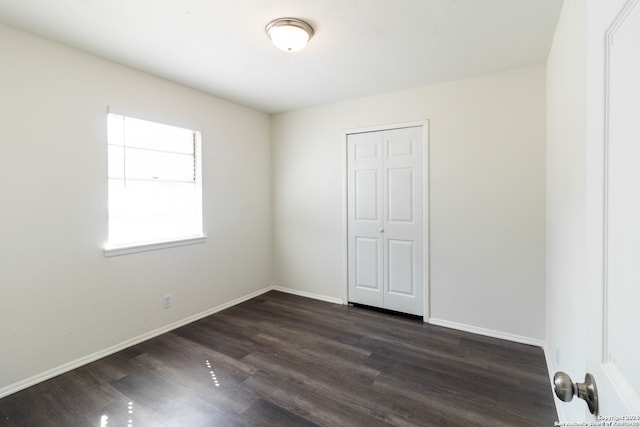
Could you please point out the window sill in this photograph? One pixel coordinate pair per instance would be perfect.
(154, 246)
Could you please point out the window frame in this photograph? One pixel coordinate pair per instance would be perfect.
(110, 249)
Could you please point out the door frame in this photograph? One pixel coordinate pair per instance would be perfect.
(426, 281)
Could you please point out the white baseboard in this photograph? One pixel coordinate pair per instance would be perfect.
(552, 368)
(487, 332)
(66, 367)
(308, 295)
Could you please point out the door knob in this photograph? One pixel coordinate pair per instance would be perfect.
(565, 389)
(381, 230)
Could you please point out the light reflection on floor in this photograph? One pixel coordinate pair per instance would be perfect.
(130, 410)
(213, 374)
(104, 420)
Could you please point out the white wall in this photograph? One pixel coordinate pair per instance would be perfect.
(487, 167)
(60, 298)
(566, 197)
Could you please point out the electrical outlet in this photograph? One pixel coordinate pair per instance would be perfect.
(166, 301)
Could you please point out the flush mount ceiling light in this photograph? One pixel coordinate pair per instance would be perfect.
(289, 34)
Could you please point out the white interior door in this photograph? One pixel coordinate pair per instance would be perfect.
(365, 224)
(614, 210)
(385, 219)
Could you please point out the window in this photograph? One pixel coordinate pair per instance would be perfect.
(155, 197)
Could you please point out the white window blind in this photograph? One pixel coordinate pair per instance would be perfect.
(154, 182)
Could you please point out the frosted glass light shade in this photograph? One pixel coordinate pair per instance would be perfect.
(289, 34)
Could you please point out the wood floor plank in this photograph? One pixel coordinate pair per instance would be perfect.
(265, 413)
(284, 360)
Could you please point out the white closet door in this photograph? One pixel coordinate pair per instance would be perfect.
(403, 245)
(365, 224)
(385, 219)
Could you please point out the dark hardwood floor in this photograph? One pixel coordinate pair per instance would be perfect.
(283, 360)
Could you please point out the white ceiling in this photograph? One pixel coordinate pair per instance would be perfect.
(360, 47)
